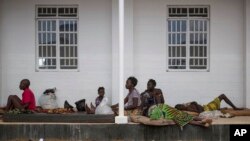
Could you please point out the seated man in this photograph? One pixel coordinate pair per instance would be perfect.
(151, 96)
(213, 105)
(28, 99)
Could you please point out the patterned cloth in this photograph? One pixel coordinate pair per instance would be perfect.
(98, 100)
(213, 105)
(134, 112)
(167, 112)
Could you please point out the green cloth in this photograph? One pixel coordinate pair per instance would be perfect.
(167, 112)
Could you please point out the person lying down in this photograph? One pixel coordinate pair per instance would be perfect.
(213, 105)
(164, 111)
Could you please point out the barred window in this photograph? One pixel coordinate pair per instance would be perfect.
(188, 36)
(57, 37)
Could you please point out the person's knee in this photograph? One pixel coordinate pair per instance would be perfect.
(10, 96)
(222, 97)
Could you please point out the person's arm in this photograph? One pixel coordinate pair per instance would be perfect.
(117, 104)
(159, 96)
(26, 105)
(135, 103)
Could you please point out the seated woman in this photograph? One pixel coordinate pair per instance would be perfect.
(132, 101)
(27, 102)
(213, 105)
(98, 100)
(151, 96)
(181, 118)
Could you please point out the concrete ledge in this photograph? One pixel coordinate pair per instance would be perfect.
(111, 132)
(65, 118)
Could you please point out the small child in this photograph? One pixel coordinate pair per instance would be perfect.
(98, 100)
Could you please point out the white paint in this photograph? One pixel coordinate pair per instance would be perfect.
(121, 57)
(145, 51)
(226, 52)
(18, 51)
(128, 47)
(247, 52)
(1, 67)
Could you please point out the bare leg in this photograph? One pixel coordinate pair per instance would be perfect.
(224, 97)
(88, 110)
(14, 102)
(201, 121)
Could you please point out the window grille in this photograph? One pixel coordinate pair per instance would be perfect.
(188, 34)
(57, 37)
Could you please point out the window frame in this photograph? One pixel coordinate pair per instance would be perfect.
(188, 31)
(57, 19)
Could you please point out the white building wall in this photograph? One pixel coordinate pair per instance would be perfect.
(0, 49)
(128, 46)
(18, 51)
(247, 52)
(226, 52)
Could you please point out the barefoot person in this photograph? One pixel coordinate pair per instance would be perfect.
(213, 105)
(151, 96)
(28, 99)
(98, 100)
(179, 117)
(132, 101)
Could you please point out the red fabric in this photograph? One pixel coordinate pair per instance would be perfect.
(28, 97)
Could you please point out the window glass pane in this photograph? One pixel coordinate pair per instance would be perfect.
(183, 38)
(178, 38)
(76, 49)
(178, 26)
(48, 25)
(183, 51)
(44, 38)
(62, 26)
(53, 51)
(75, 38)
(49, 51)
(191, 51)
(174, 39)
(62, 52)
(66, 38)
(62, 38)
(72, 52)
(191, 25)
(53, 38)
(67, 51)
(169, 39)
(48, 38)
(53, 25)
(173, 25)
(191, 38)
(169, 26)
(183, 26)
(40, 51)
(39, 26)
(169, 51)
(178, 52)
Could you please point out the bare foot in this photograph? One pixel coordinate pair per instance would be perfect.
(238, 108)
(207, 121)
(92, 106)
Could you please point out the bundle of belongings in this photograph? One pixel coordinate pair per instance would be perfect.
(48, 103)
(48, 99)
(103, 108)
